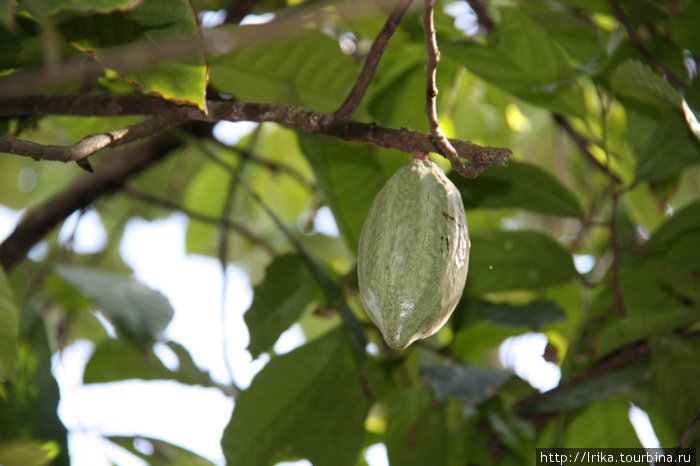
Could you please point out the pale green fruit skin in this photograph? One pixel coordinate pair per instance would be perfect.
(413, 255)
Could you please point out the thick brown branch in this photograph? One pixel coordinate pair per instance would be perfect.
(347, 108)
(431, 91)
(91, 144)
(632, 33)
(403, 139)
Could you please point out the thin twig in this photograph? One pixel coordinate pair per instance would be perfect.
(201, 217)
(92, 144)
(403, 139)
(632, 33)
(582, 143)
(347, 108)
(687, 435)
(431, 92)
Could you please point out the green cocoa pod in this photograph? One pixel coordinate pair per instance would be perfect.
(413, 254)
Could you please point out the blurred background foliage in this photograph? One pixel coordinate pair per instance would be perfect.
(591, 234)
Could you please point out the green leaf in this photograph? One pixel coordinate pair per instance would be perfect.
(416, 431)
(23, 452)
(288, 290)
(477, 342)
(638, 326)
(630, 381)
(53, 6)
(139, 312)
(307, 69)
(533, 315)
(633, 80)
(152, 25)
(164, 453)
(350, 176)
(9, 330)
(676, 364)
(510, 260)
(472, 385)
(604, 424)
(669, 148)
(523, 60)
(519, 185)
(514, 432)
(309, 402)
(684, 221)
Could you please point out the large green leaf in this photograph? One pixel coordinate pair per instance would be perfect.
(533, 315)
(676, 364)
(416, 431)
(631, 79)
(309, 402)
(510, 260)
(684, 221)
(518, 185)
(81, 5)
(9, 330)
(306, 69)
(151, 25)
(471, 385)
(525, 61)
(134, 309)
(20, 452)
(350, 176)
(288, 290)
(638, 326)
(669, 148)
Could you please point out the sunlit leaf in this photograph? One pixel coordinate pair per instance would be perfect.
(634, 80)
(524, 60)
(152, 25)
(164, 453)
(136, 310)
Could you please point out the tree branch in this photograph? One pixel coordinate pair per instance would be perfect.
(431, 91)
(108, 177)
(86, 147)
(403, 139)
(632, 33)
(482, 14)
(347, 108)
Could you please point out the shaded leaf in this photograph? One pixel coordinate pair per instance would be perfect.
(316, 386)
(533, 315)
(508, 260)
(632, 79)
(670, 148)
(682, 222)
(416, 431)
(134, 309)
(9, 330)
(676, 366)
(638, 326)
(519, 185)
(472, 385)
(627, 381)
(514, 432)
(523, 60)
(288, 290)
